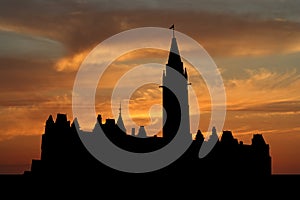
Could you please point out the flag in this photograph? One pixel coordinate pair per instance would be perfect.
(172, 27)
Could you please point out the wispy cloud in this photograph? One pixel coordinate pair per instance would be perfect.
(262, 86)
(14, 44)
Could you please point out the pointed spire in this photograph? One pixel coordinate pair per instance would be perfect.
(174, 56)
(142, 132)
(174, 47)
(50, 119)
(174, 60)
(120, 122)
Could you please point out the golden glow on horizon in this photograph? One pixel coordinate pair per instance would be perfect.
(145, 96)
(259, 83)
(141, 101)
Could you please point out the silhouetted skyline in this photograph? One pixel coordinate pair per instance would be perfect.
(254, 44)
(63, 152)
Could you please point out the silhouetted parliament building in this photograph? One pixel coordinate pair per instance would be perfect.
(63, 153)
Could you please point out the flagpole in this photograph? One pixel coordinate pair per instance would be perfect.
(173, 27)
(173, 33)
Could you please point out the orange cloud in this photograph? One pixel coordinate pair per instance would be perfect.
(72, 62)
(261, 87)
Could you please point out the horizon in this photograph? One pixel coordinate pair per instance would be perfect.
(255, 46)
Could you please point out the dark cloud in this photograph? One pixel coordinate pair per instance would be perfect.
(270, 9)
(81, 26)
(19, 45)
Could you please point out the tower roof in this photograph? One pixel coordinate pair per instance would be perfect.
(142, 132)
(174, 60)
(174, 56)
(120, 122)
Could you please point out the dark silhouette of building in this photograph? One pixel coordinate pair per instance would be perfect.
(133, 131)
(63, 153)
(142, 132)
(175, 95)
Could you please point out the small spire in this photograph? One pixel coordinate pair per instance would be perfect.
(120, 122)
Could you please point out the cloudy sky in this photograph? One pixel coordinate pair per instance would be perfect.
(255, 44)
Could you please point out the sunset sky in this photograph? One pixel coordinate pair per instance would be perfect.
(254, 43)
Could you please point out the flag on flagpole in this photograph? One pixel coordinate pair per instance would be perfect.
(172, 27)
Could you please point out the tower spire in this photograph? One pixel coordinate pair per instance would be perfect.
(175, 107)
(174, 60)
(120, 122)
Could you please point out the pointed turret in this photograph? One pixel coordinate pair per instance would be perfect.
(99, 119)
(214, 136)
(120, 120)
(49, 124)
(142, 132)
(50, 121)
(75, 123)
